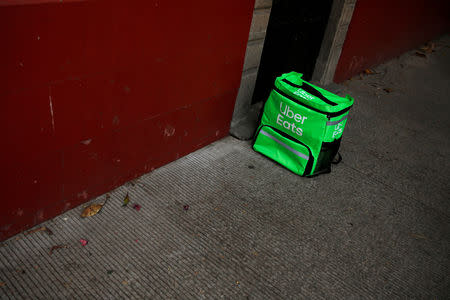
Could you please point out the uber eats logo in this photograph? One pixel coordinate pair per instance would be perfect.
(289, 120)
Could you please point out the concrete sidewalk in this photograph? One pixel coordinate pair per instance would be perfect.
(376, 227)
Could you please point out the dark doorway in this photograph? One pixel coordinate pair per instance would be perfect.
(293, 39)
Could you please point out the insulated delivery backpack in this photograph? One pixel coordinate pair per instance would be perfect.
(301, 125)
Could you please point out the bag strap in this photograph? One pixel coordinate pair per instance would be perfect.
(338, 160)
(312, 90)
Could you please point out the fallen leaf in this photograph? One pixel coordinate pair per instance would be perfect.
(137, 207)
(418, 236)
(2, 283)
(420, 54)
(369, 72)
(186, 207)
(83, 242)
(94, 208)
(428, 48)
(91, 210)
(43, 228)
(124, 282)
(388, 90)
(126, 200)
(56, 247)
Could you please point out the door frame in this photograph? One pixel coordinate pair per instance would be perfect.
(245, 114)
(333, 41)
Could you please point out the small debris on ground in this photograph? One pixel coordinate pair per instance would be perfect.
(421, 54)
(251, 166)
(137, 207)
(91, 210)
(124, 282)
(126, 200)
(418, 236)
(83, 242)
(57, 247)
(109, 272)
(2, 283)
(94, 208)
(428, 48)
(185, 207)
(369, 72)
(388, 90)
(43, 228)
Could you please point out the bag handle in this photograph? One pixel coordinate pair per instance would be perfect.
(312, 90)
(338, 160)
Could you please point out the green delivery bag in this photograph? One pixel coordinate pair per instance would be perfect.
(302, 125)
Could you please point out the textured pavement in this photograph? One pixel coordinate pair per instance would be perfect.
(377, 227)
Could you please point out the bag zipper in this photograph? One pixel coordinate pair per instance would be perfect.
(310, 162)
(312, 90)
(328, 114)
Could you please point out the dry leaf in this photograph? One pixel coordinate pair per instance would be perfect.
(369, 71)
(43, 228)
(420, 54)
(94, 208)
(91, 210)
(428, 48)
(388, 90)
(2, 283)
(56, 247)
(418, 236)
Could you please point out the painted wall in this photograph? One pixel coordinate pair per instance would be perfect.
(383, 29)
(96, 93)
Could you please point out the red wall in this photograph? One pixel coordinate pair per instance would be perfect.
(96, 93)
(383, 29)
